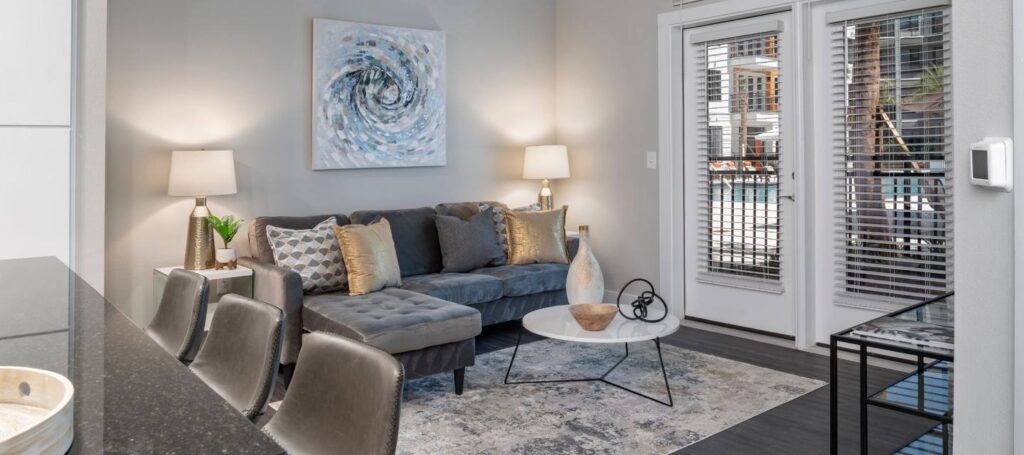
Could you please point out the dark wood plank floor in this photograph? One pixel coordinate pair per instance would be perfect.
(800, 426)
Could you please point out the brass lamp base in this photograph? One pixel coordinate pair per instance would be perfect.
(546, 198)
(199, 249)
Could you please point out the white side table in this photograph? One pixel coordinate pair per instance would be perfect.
(237, 281)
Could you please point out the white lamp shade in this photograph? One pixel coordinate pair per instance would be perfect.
(202, 173)
(546, 162)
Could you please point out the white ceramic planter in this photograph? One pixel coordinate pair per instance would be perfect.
(36, 411)
(227, 258)
(585, 283)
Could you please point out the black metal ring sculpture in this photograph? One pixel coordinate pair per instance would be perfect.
(642, 301)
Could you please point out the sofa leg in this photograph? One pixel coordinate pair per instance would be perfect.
(286, 374)
(460, 377)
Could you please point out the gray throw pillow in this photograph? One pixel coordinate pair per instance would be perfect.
(312, 253)
(468, 245)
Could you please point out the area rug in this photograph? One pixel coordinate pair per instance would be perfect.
(710, 393)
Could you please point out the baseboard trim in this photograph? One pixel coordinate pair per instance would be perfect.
(610, 296)
(741, 328)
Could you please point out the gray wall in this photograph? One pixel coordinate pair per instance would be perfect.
(983, 106)
(235, 74)
(607, 114)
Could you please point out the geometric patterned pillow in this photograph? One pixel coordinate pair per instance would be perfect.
(313, 254)
(501, 226)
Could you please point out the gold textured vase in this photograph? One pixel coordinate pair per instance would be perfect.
(199, 249)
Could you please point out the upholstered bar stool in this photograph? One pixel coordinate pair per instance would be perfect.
(241, 353)
(345, 398)
(181, 317)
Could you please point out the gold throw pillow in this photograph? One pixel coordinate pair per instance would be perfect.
(537, 237)
(369, 254)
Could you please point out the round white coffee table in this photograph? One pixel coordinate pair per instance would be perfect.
(557, 323)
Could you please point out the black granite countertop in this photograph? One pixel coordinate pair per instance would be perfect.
(130, 395)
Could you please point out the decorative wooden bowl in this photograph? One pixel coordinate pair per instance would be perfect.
(36, 412)
(593, 317)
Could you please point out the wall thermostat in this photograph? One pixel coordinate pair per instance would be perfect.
(992, 163)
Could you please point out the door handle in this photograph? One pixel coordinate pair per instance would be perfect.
(788, 196)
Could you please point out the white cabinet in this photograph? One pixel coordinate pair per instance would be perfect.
(35, 62)
(35, 192)
(36, 80)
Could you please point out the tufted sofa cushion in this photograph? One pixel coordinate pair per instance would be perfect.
(528, 279)
(464, 288)
(393, 320)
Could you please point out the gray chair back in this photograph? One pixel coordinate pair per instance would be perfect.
(240, 356)
(345, 398)
(181, 317)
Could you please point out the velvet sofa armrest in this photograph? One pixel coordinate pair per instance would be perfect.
(282, 288)
(572, 244)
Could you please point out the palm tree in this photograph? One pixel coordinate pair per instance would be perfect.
(864, 104)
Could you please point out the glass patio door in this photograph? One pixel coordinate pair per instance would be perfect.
(738, 174)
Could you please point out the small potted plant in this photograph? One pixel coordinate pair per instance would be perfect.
(226, 228)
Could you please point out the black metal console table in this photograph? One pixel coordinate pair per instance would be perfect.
(926, 392)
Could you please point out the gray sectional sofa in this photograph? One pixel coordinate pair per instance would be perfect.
(430, 323)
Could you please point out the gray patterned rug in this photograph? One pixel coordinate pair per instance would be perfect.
(711, 394)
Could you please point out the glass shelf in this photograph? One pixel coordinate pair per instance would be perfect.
(929, 443)
(929, 394)
(923, 329)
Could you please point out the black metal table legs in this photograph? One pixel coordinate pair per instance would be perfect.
(863, 399)
(603, 378)
(834, 398)
(833, 386)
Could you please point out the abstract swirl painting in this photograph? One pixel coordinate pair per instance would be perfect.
(378, 96)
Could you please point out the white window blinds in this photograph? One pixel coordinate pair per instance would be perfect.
(738, 115)
(893, 156)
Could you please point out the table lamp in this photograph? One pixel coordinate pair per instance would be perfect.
(546, 162)
(200, 174)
